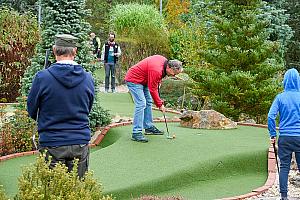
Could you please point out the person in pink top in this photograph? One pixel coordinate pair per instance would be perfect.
(143, 81)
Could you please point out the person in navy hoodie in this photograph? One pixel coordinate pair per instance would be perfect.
(60, 100)
(287, 104)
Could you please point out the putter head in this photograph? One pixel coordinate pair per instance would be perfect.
(169, 137)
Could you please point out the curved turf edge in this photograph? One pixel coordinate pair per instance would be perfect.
(200, 174)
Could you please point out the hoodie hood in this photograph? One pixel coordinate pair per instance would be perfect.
(67, 74)
(291, 81)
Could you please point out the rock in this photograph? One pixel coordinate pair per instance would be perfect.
(294, 163)
(294, 179)
(119, 119)
(248, 121)
(244, 118)
(206, 119)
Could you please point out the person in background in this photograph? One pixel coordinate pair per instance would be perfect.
(96, 45)
(110, 53)
(287, 105)
(143, 80)
(60, 100)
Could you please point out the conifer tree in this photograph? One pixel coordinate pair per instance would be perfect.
(278, 28)
(64, 16)
(241, 61)
(293, 52)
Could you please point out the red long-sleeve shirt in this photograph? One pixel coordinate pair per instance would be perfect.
(150, 72)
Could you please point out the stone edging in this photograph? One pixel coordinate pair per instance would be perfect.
(101, 133)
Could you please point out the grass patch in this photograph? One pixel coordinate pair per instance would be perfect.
(121, 104)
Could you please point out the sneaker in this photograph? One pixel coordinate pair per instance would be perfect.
(139, 137)
(106, 91)
(153, 131)
(284, 196)
(113, 91)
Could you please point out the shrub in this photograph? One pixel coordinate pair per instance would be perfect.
(40, 182)
(19, 35)
(174, 10)
(188, 45)
(171, 90)
(6, 146)
(141, 31)
(99, 117)
(17, 131)
(2, 193)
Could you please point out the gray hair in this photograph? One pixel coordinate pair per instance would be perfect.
(175, 64)
(66, 51)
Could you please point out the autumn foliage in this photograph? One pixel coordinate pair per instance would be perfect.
(19, 35)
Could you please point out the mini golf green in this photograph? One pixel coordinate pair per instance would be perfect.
(198, 164)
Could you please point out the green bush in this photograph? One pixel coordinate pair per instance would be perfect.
(19, 35)
(39, 182)
(171, 90)
(188, 44)
(98, 116)
(2, 193)
(16, 132)
(141, 32)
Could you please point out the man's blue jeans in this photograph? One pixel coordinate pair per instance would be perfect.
(286, 146)
(143, 107)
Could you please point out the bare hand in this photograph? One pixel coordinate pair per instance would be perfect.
(162, 109)
(273, 140)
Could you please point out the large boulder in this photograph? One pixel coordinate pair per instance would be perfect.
(206, 119)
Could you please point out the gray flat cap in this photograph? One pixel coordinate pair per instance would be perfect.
(65, 40)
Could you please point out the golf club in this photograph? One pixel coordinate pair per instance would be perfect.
(275, 152)
(168, 136)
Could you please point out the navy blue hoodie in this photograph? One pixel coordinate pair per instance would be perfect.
(60, 99)
(287, 104)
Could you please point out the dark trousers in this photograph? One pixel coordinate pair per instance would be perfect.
(110, 69)
(286, 146)
(66, 156)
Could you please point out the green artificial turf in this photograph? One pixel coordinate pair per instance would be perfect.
(198, 164)
(10, 170)
(121, 104)
(99, 73)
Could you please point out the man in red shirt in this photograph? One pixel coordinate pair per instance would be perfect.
(143, 80)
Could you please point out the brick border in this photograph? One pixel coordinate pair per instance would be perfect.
(101, 134)
(16, 155)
